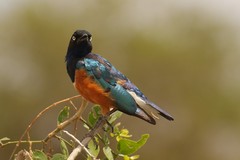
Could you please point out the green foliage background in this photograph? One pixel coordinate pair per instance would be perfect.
(184, 59)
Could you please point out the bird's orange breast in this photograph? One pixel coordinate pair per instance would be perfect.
(92, 91)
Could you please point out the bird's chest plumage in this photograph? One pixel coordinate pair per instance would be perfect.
(92, 91)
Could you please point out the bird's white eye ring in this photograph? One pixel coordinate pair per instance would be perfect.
(90, 39)
(74, 38)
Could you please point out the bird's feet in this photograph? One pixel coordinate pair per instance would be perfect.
(109, 125)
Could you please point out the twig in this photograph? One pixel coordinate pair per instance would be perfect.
(62, 139)
(85, 141)
(73, 105)
(62, 125)
(36, 118)
(101, 121)
(78, 150)
(15, 142)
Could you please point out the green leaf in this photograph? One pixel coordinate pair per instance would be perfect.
(64, 113)
(125, 133)
(94, 115)
(89, 158)
(105, 139)
(127, 146)
(134, 157)
(93, 149)
(59, 156)
(116, 128)
(108, 153)
(125, 157)
(39, 155)
(64, 148)
(114, 116)
(86, 126)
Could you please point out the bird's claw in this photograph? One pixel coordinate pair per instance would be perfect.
(110, 125)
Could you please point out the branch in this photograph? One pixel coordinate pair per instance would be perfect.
(16, 142)
(78, 150)
(86, 140)
(99, 124)
(36, 118)
(62, 125)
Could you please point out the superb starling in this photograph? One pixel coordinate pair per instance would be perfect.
(99, 82)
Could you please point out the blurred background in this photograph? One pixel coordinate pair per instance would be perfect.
(184, 55)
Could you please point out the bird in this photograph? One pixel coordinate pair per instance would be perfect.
(99, 82)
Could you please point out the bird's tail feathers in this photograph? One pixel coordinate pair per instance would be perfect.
(144, 115)
(160, 111)
(149, 106)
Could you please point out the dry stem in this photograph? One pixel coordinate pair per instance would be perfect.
(36, 118)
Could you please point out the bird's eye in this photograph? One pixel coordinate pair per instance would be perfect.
(74, 38)
(90, 38)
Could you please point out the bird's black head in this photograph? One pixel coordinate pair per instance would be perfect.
(80, 44)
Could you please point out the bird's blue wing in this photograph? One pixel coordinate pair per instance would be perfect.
(128, 97)
(138, 96)
(104, 78)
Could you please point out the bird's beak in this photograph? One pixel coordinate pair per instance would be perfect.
(84, 36)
